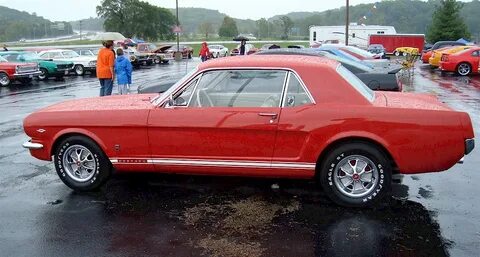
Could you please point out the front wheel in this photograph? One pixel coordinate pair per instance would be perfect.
(396, 53)
(79, 70)
(4, 80)
(81, 164)
(356, 175)
(158, 60)
(43, 74)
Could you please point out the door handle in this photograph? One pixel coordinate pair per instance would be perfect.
(267, 114)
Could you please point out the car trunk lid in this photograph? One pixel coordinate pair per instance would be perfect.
(409, 101)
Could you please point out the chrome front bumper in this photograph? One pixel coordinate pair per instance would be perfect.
(32, 146)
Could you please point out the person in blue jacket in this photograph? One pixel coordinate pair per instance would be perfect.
(123, 71)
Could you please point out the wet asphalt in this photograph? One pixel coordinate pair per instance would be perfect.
(170, 215)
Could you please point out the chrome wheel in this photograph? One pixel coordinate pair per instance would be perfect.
(356, 176)
(79, 163)
(43, 74)
(463, 69)
(4, 80)
(79, 70)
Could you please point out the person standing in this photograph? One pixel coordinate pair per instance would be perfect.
(204, 52)
(242, 47)
(123, 72)
(5, 48)
(105, 68)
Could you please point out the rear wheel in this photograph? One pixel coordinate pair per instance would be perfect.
(43, 74)
(158, 60)
(464, 69)
(4, 80)
(356, 175)
(81, 164)
(79, 69)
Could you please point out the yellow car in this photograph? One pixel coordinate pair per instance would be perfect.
(436, 57)
(405, 50)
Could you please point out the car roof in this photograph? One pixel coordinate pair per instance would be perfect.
(269, 61)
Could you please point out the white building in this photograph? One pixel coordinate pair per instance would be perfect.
(358, 34)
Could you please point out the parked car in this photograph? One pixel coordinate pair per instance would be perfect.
(393, 43)
(149, 48)
(340, 53)
(436, 57)
(296, 46)
(82, 64)
(56, 69)
(366, 56)
(159, 85)
(218, 51)
(249, 49)
(329, 126)
(187, 51)
(426, 54)
(87, 52)
(138, 59)
(377, 49)
(375, 79)
(463, 63)
(16, 71)
(405, 50)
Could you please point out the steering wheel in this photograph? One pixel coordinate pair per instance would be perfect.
(270, 101)
(205, 95)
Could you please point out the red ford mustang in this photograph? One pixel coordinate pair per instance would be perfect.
(265, 116)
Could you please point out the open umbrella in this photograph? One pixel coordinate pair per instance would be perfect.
(241, 38)
(104, 36)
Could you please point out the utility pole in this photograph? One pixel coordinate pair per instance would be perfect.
(178, 54)
(80, 29)
(347, 22)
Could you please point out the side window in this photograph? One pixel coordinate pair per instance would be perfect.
(476, 53)
(296, 94)
(239, 88)
(184, 97)
(55, 55)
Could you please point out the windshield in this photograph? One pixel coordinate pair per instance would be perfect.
(346, 61)
(30, 56)
(356, 83)
(215, 47)
(359, 51)
(161, 97)
(70, 54)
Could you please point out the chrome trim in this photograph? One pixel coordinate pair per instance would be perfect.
(217, 163)
(301, 84)
(32, 146)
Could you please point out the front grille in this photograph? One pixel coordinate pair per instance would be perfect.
(27, 68)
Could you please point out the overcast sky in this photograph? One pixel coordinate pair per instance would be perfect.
(69, 10)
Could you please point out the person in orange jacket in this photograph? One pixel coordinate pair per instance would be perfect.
(204, 52)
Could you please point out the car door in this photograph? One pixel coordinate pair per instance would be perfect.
(292, 151)
(476, 61)
(221, 121)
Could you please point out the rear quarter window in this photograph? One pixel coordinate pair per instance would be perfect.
(356, 83)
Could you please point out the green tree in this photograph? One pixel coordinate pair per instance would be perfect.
(447, 24)
(206, 28)
(263, 27)
(228, 28)
(286, 24)
(136, 18)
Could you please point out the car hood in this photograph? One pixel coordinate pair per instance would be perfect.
(118, 102)
(410, 101)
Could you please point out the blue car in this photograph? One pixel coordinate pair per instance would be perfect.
(341, 54)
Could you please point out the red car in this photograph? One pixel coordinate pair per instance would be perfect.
(13, 71)
(291, 116)
(463, 63)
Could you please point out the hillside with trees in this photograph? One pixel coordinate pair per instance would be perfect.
(16, 25)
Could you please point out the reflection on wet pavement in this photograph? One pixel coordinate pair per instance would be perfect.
(167, 215)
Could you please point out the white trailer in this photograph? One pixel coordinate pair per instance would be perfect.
(357, 34)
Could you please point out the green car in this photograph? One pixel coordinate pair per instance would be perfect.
(48, 68)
